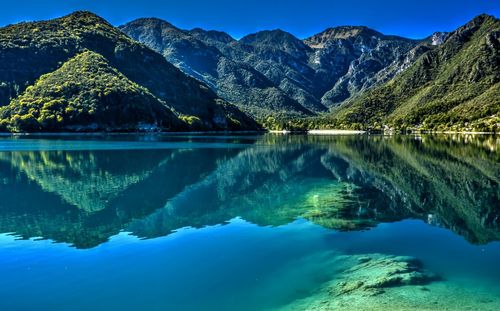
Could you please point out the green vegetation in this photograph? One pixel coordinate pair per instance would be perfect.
(453, 87)
(86, 93)
(29, 51)
(190, 119)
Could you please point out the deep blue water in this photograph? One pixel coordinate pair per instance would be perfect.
(151, 222)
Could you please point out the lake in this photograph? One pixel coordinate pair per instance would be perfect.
(249, 222)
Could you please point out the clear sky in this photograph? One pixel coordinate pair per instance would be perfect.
(410, 18)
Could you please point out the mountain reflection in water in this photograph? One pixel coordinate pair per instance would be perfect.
(83, 197)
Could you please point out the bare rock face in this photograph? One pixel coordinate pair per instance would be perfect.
(348, 60)
(438, 38)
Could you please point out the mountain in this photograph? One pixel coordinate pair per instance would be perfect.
(452, 86)
(272, 72)
(307, 70)
(86, 93)
(282, 58)
(30, 50)
(404, 61)
(351, 58)
(196, 53)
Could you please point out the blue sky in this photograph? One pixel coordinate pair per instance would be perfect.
(410, 18)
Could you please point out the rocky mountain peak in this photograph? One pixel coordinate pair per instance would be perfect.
(152, 21)
(438, 38)
(156, 24)
(342, 32)
(214, 35)
(473, 25)
(276, 37)
(277, 40)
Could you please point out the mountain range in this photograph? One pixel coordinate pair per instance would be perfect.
(273, 72)
(80, 73)
(455, 86)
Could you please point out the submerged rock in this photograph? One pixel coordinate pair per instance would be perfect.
(373, 273)
(379, 282)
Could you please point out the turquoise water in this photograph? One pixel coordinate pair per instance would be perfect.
(159, 222)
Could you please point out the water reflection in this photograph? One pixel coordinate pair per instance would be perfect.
(83, 197)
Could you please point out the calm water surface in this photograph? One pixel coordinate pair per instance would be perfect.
(152, 222)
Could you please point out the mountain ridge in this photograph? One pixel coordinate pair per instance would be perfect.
(204, 61)
(441, 86)
(289, 63)
(29, 50)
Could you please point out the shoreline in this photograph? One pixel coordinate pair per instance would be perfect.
(462, 132)
(360, 132)
(320, 132)
(302, 132)
(128, 133)
(336, 132)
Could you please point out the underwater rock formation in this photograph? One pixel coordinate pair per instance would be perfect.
(383, 282)
(373, 273)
